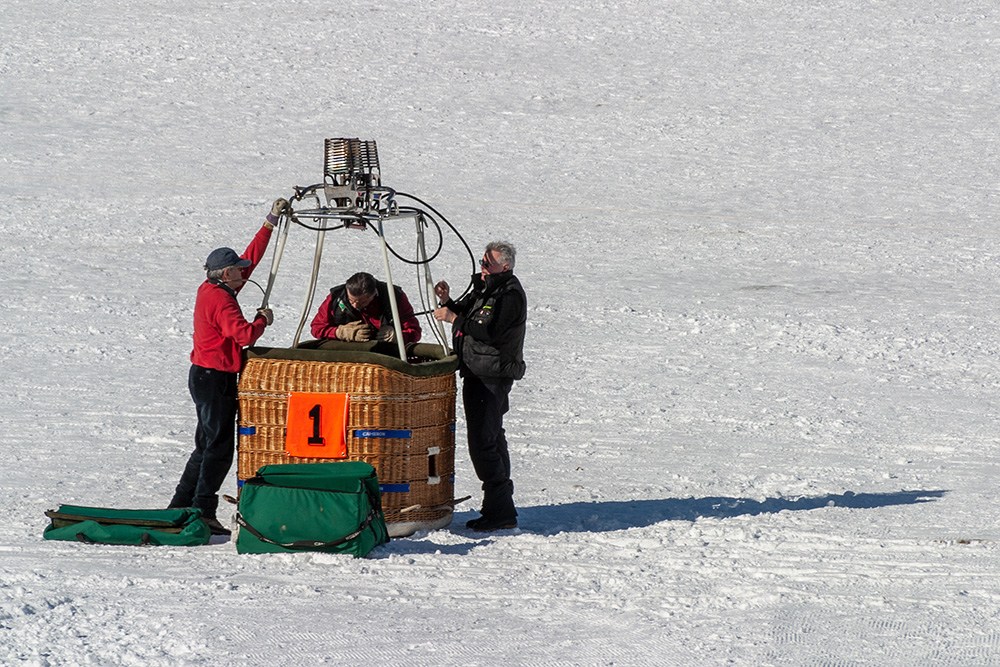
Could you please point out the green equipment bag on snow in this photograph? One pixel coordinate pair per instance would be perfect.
(102, 525)
(331, 507)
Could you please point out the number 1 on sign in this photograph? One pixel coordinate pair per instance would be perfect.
(315, 438)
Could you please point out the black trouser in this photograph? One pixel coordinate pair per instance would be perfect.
(215, 400)
(485, 405)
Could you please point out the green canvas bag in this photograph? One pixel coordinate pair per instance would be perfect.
(332, 507)
(103, 525)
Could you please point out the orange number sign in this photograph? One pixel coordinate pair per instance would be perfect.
(316, 426)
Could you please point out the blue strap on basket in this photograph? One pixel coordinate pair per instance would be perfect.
(381, 434)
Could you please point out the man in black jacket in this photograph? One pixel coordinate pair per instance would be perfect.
(488, 336)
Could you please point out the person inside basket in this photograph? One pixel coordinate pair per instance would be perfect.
(488, 328)
(220, 334)
(359, 310)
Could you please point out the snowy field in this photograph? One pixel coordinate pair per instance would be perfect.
(761, 249)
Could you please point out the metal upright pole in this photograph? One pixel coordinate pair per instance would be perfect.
(422, 257)
(392, 294)
(276, 259)
(320, 237)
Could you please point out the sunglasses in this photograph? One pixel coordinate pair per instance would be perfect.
(486, 262)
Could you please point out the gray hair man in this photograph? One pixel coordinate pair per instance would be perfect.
(488, 327)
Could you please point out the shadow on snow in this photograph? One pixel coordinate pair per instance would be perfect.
(595, 517)
(619, 515)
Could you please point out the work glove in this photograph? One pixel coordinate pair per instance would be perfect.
(357, 332)
(387, 334)
(268, 315)
(278, 207)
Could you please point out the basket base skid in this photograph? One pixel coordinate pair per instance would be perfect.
(407, 528)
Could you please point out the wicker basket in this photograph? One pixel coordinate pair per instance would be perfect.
(400, 419)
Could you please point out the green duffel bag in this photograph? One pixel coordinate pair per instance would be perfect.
(103, 525)
(332, 507)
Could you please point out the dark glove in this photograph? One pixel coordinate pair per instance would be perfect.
(267, 314)
(386, 333)
(443, 292)
(355, 332)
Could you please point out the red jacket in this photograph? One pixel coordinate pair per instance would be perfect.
(324, 326)
(220, 330)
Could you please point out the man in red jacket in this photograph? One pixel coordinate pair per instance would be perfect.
(220, 334)
(359, 310)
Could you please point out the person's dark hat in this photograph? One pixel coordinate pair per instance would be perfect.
(222, 258)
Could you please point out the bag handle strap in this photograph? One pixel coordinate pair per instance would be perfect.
(144, 539)
(314, 544)
(309, 544)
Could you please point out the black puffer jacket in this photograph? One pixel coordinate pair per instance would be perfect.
(488, 334)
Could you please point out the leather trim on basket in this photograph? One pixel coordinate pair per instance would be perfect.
(363, 353)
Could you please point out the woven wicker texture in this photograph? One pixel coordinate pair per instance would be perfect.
(281, 375)
(416, 464)
(365, 412)
(391, 469)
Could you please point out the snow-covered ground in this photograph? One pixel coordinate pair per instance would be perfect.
(760, 244)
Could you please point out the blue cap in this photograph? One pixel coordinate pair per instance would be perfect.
(222, 258)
